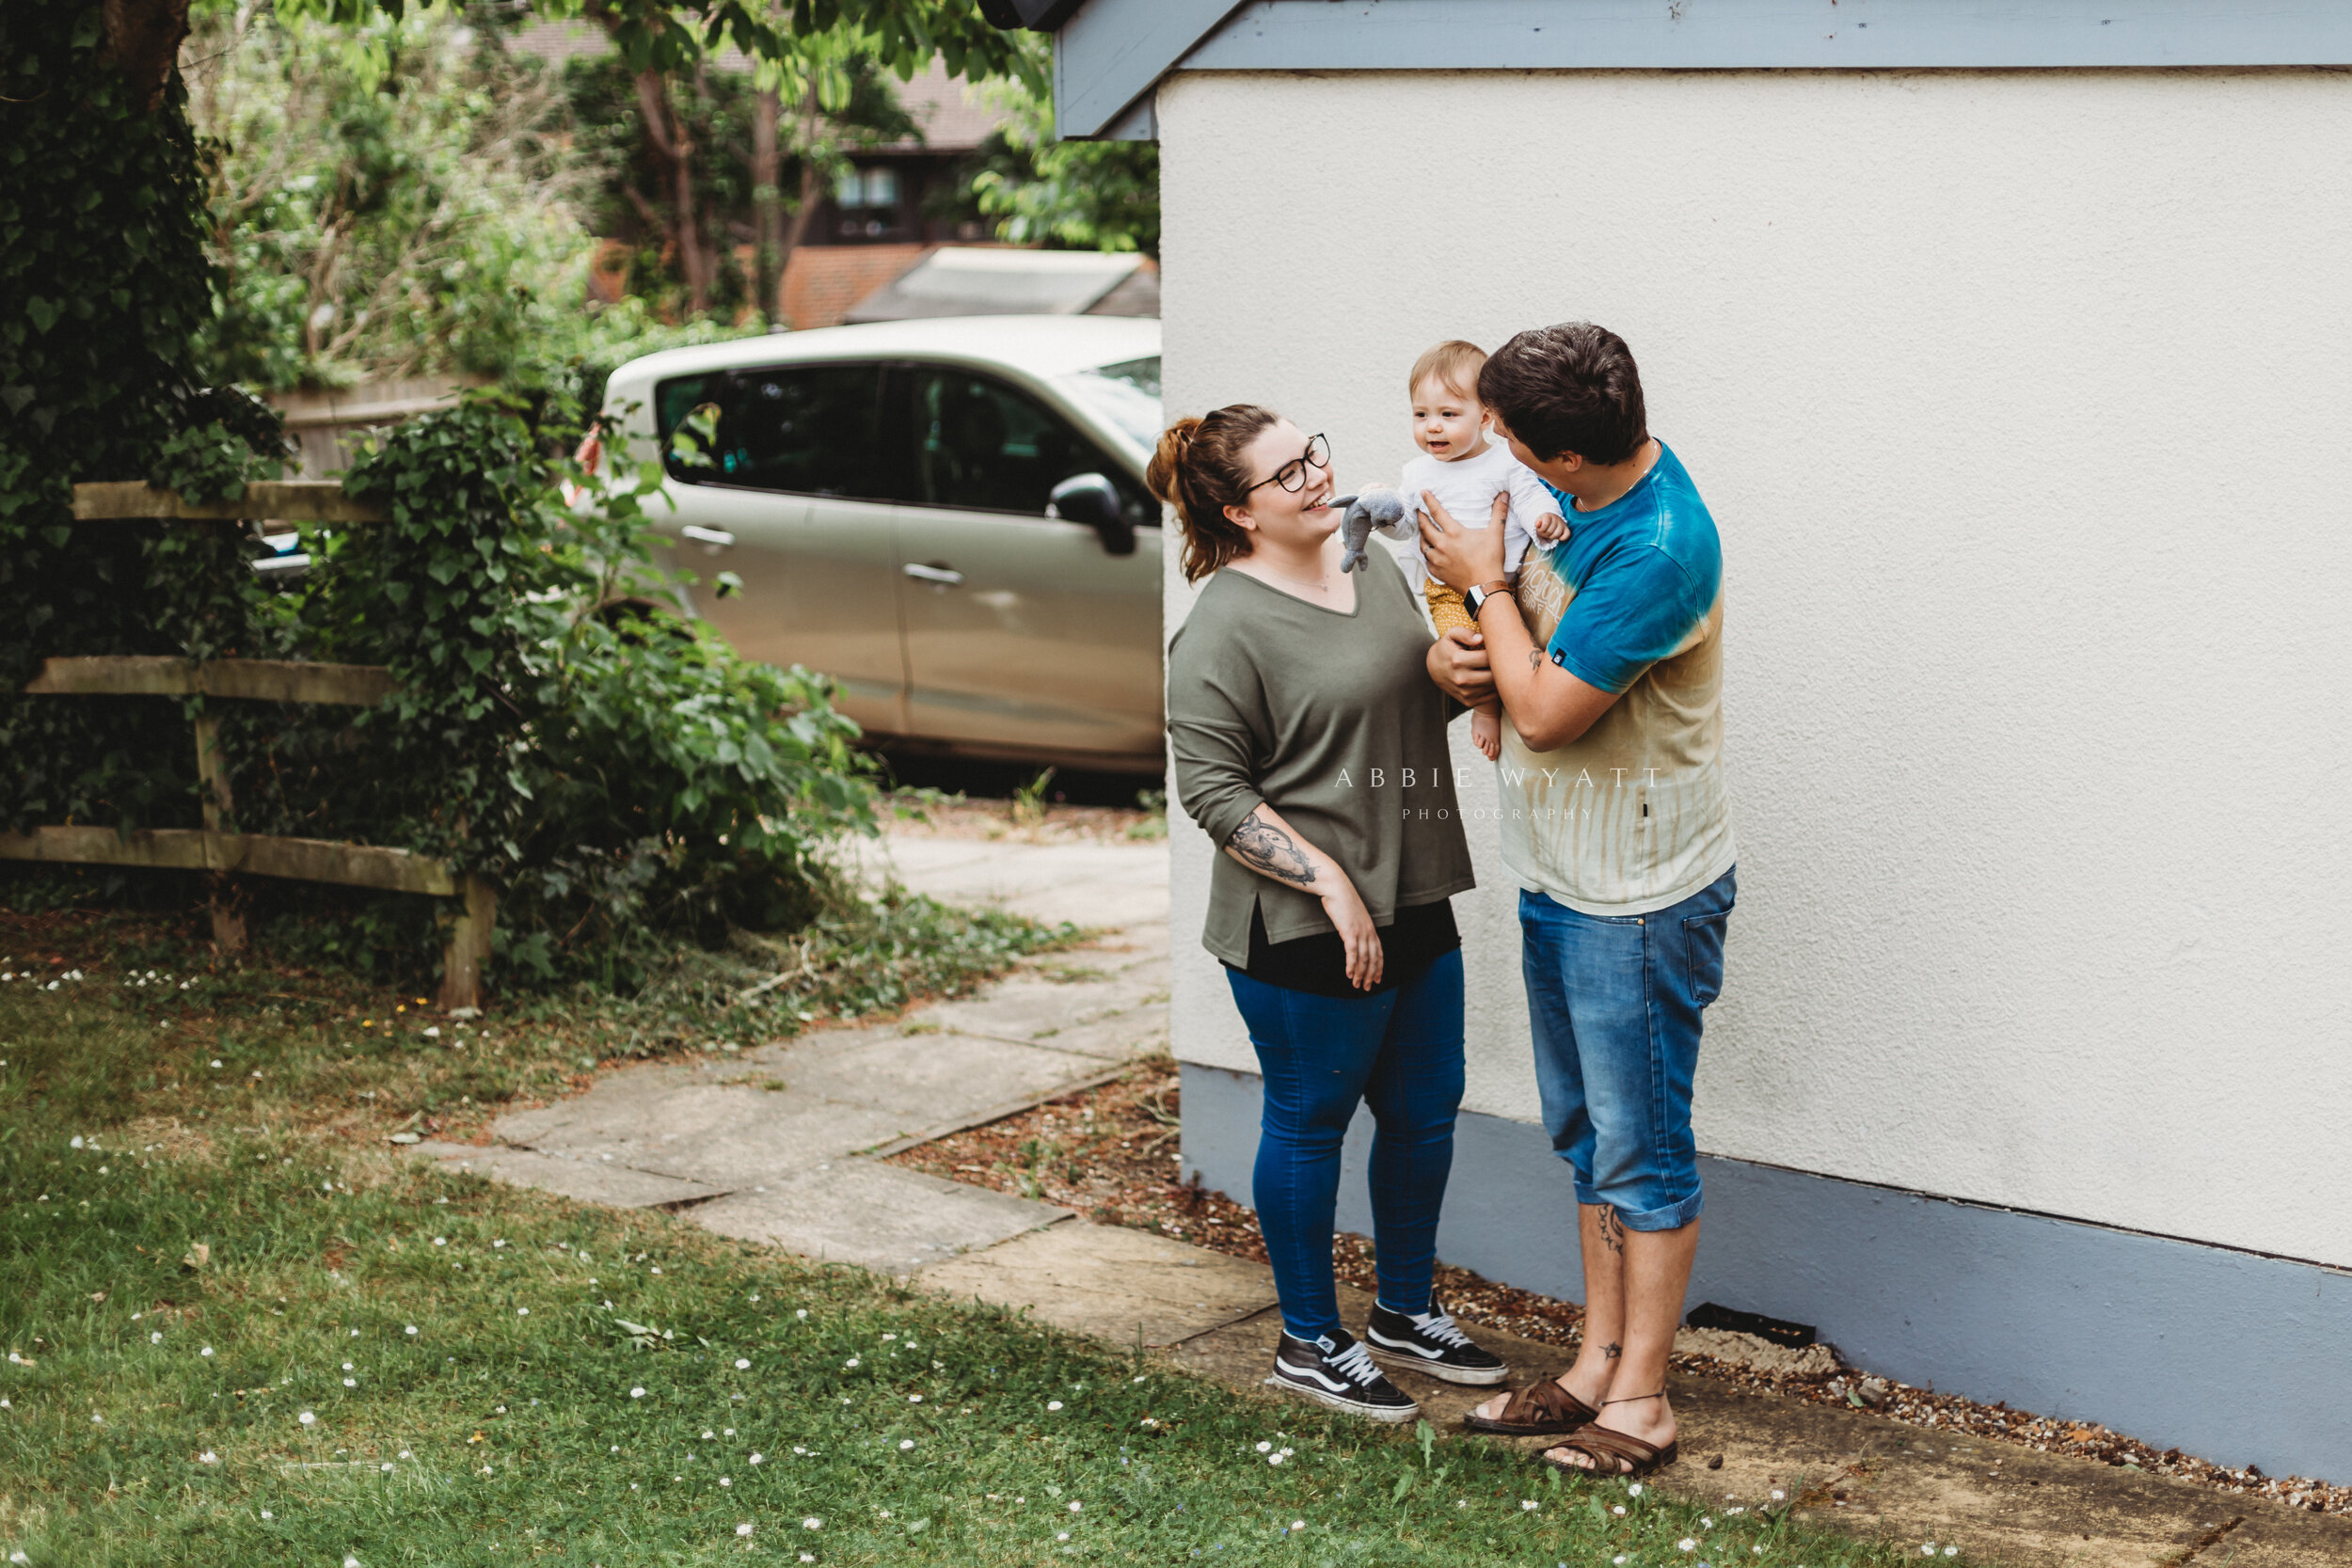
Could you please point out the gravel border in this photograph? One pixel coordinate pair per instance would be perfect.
(1111, 1153)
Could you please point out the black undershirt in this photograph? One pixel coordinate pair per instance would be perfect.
(1318, 963)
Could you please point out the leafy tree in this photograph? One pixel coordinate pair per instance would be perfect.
(671, 35)
(724, 142)
(808, 53)
(394, 198)
(1072, 195)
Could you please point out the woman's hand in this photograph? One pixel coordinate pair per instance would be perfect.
(1357, 934)
(1461, 558)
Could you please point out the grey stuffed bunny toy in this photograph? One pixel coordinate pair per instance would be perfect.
(1376, 508)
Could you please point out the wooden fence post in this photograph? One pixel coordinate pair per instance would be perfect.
(227, 856)
(221, 891)
(468, 947)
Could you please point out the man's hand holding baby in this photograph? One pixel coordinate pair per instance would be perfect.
(1461, 558)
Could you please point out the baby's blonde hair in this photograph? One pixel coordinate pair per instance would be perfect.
(1455, 363)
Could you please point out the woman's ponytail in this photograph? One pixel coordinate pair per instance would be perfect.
(1165, 474)
(1198, 470)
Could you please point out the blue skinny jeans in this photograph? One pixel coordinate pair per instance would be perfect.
(1400, 1051)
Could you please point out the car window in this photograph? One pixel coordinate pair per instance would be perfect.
(808, 429)
(982, 446)
(1126, 395)
(677, 398)
(1143, 374)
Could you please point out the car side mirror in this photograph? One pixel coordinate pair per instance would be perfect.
(1089, 499)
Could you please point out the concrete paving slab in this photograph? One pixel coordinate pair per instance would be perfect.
(724, 1135)
(924, 1078)
(1034, 1009)
(1145, 975)
(1112, 1283)
(878, 1216)
(919, 857)
(1144, 938)
(614, 1185)
(1106, 901)
(1088, 884)
(993, 1112)
(775, 1128)
(1121, 1038)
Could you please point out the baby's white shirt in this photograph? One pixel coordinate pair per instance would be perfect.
(1467, 488)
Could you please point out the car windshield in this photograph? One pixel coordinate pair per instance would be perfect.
(1127, 394)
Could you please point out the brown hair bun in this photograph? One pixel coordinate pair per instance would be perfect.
(1198, 470)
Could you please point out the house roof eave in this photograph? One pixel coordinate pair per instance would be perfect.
(1111, 54)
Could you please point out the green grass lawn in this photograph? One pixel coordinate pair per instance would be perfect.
(241, 1328)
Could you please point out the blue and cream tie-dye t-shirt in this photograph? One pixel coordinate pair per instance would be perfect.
(1632, 816)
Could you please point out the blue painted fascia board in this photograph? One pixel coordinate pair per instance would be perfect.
(1113, 52)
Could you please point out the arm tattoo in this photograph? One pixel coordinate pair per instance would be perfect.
(1611, 1353)
(1611, 1228)
(1266, 848)
(1535, 659)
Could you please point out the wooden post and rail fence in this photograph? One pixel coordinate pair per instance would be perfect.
(213, 848)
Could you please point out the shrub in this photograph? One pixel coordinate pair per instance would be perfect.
(623, 773)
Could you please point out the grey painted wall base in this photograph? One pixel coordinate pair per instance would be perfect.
(2228, 1355)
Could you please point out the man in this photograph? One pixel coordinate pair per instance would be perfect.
(1607, 654)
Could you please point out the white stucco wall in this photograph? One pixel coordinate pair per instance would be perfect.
(2024, 403)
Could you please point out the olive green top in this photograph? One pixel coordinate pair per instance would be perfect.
(1331, 720)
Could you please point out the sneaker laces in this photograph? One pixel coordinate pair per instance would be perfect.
(1355, 1364)
(1440, 1327)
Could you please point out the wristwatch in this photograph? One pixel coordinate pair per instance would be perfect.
(1474, 598)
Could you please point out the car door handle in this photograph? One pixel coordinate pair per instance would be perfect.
(717, 538)
(945, 576)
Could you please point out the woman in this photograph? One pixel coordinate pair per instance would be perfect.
(1310, 746)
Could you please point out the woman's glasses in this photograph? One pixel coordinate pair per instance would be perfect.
(1292, 476)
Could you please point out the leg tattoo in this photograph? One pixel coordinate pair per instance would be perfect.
(1268, 848)
(1611, 1353)
(1611, 1228)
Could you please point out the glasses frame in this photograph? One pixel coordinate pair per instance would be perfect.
(1296, 467)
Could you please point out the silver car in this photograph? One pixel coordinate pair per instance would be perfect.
(948, 516)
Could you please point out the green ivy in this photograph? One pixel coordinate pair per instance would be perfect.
(621, 777)
(103, 287)
(622, 774)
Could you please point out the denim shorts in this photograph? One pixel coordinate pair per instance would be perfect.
(1616, 1002)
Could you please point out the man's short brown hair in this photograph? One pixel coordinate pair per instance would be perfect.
(1568, 388)
(1455, 363)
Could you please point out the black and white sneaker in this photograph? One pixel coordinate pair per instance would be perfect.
(1431, 1343)
(1336, 1371)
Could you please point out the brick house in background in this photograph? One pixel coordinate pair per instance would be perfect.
(881, 218)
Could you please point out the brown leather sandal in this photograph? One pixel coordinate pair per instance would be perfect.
(1607, 1449)
(1542, 1409)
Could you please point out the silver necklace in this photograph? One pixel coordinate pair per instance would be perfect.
(1322, 587)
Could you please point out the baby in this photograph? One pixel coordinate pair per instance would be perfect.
(1466, 471)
